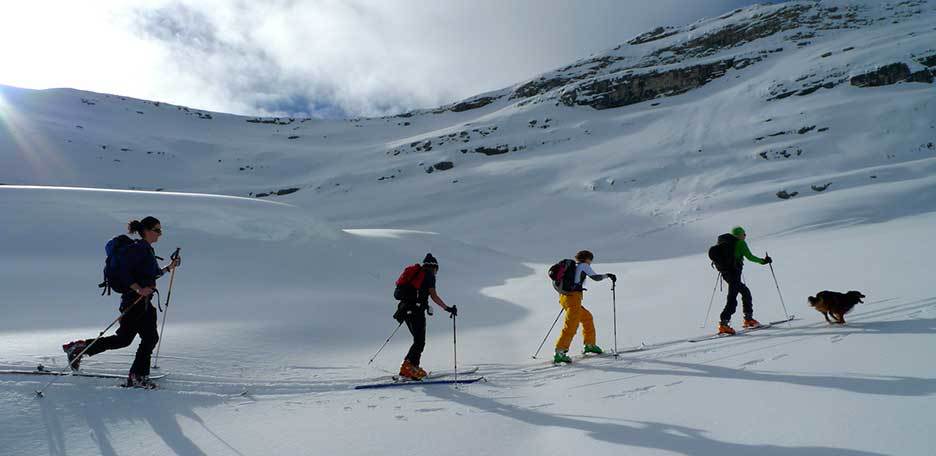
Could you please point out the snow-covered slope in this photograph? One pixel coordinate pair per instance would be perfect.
(736, 110)
(810, 123)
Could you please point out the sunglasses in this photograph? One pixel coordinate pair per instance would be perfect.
(157, 230)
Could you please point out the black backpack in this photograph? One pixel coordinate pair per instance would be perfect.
(562, 275)
(722, 254)
(116, 249)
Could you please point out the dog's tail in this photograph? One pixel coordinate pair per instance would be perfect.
(858, 294)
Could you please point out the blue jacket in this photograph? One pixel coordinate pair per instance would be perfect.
(139, 266)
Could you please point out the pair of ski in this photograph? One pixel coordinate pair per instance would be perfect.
(41, 370)
(645, 347)
(743, 330)
(434, 378)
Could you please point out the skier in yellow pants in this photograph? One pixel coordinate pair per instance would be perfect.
(575, 313)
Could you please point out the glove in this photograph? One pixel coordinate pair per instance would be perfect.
(452, 310)
(612, 277)
(768, 260)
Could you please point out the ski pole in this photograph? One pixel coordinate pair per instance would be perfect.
(711, 301)
(547, 334)
(162, 330)
(385, 343)
(614, 316)
(787, 314)
(455, 346)
(39, 392)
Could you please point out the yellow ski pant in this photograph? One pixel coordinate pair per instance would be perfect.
(575, 314)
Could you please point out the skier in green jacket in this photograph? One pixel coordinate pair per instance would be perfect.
(732, 275)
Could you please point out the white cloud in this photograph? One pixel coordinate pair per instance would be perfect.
(325, 57)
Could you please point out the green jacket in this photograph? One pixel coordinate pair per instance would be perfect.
(742, 251)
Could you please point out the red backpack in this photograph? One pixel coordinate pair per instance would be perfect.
(409, 282)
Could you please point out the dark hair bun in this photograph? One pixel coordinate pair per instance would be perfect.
(135, 226)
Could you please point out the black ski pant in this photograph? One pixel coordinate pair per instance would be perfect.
(141, 319)
(735, 286)
(415, 320)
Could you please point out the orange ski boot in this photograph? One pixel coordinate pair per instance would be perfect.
(724, 328)
(422, 373)
(409, 372)
(751, 323)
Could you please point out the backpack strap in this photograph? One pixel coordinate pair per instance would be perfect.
(106, 286)
(420, 276)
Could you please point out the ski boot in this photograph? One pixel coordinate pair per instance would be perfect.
(561, 356)
(751, 323)
(139, 381)
(724, 328)
(409, 372)
(593, 349)
(422, 373)
(73, 350)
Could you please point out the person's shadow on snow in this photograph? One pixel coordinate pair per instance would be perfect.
(891, 385)
(645, 434)
(161, 409)
(162, 416)
(908, 327)
(53, 426)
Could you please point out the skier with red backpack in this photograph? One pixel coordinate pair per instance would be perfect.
(131, 270)
(568, 276)
(728, 258)
(414, 287)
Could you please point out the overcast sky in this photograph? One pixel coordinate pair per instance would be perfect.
(326, 58)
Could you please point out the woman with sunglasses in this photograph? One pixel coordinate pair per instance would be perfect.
(138, 267)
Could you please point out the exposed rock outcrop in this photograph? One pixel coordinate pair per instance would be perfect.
(285, 191)
(498, 150)
(617, 91)
(737, 34)
(883, 76)
(473, 104)
(929, 61)
(658, 33)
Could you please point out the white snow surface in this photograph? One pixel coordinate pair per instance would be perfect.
(282, 300)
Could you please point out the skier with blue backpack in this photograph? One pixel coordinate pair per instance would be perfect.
(131, 269)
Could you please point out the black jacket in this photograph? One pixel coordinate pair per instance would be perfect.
(139, 265)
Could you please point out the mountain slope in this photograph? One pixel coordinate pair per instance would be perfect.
(781, 100)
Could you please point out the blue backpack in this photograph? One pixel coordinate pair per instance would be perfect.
(116, 250)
